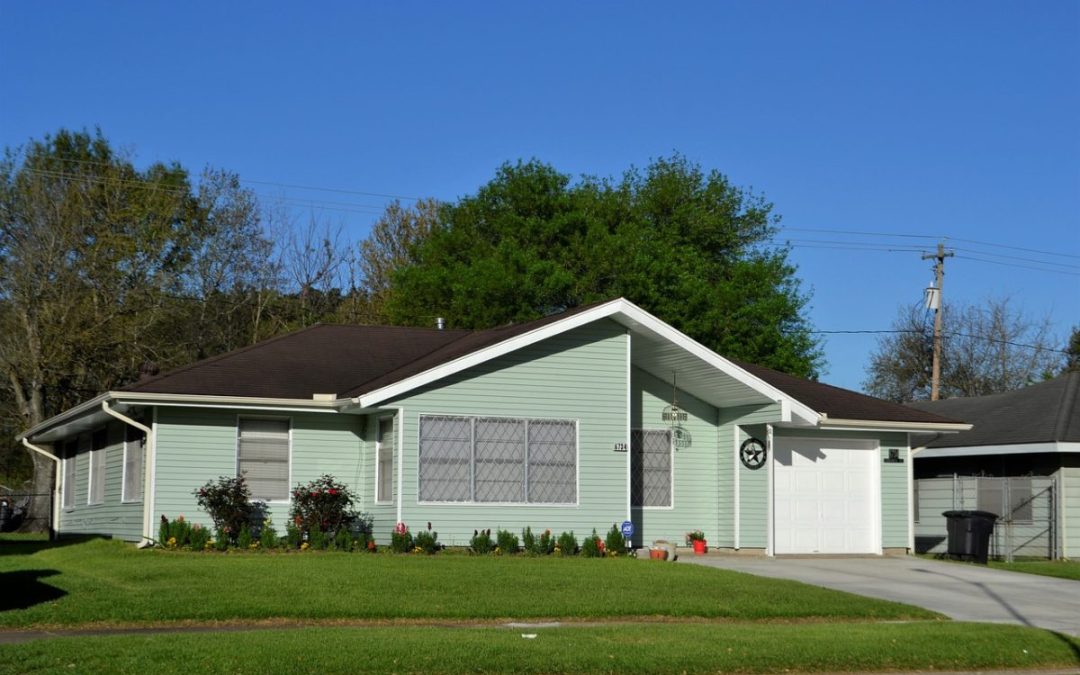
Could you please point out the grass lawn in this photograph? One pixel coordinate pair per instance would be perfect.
(108, 582)
(1065, 569)
(750, 648)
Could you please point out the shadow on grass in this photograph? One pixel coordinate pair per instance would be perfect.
(29, 546)
(23, 589)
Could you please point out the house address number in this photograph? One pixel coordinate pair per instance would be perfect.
(620, 447)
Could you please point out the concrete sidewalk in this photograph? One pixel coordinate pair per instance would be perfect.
(960, 591)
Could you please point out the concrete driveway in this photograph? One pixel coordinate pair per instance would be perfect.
(962, 592)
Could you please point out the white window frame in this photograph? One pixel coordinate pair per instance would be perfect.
(130, 446)
(99, 455)
(389, 499)
(671, 463)
(474, 504)
(71, 472)
(236, 457)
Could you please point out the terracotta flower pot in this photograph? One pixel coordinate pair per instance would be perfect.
(657, 554)
(699, 546)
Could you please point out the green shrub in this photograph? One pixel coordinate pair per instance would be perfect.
(268, 536)
(566, 545)
(221, 539)
(180, 530)
(427, 540)
(316, 539)
(323, 503)
(344, 540)
(364, 542)
(228, 502)
(591, 546)
(615, 542)
(507, 542)
(481, 543)
(529, 542)
(244, 539)
(546, 545)
(293, 536)
(199, 537)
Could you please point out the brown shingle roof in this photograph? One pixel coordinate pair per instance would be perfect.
(840, 403)
(1042, 413)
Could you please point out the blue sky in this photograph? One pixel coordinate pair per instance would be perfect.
(939, 119)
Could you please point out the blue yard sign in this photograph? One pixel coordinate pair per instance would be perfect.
(627, 529)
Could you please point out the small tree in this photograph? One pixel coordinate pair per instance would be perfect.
(228, 502)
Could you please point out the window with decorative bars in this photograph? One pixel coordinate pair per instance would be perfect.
(95, 493)
(263, 457)
(134, 447)
(384, 466)
(650, 468)
(497, 460)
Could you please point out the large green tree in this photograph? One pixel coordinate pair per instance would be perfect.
(684, 244)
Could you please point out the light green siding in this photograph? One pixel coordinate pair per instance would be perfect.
(578, 375)
(196, 445)
(753, 483)
(1069, 484)
(696, 493)
(112, 517)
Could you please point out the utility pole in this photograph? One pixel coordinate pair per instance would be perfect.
(937, 302)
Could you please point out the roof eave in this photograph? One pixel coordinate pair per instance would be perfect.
(838, 424)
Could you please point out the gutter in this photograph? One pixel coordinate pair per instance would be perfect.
(148, 461)
(825, 422)
(54, 526)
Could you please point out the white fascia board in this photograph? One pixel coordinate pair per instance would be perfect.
(129, 398)
(829, 423)
(1013, 449)
(478, 357)
(789, 407)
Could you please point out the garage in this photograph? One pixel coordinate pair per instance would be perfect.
(826, 497)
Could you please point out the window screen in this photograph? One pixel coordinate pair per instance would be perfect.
(498, 460)
(70, 449)
(1020, 499)
(385, 468)
(134, 448)
(650, 467)
(96, 491)
(263, 457)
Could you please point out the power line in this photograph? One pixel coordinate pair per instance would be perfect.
(946, 333)
(926, 236)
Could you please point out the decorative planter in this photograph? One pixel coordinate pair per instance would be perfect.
(699, 546)
(657, 554)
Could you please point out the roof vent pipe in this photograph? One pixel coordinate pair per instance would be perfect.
(440, 323)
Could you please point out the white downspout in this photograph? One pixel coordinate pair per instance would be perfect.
(770, 545)
(55, 525)
(148, 461)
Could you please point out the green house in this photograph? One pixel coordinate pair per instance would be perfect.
(599, 415)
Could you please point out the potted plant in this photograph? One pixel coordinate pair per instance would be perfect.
(697, 540)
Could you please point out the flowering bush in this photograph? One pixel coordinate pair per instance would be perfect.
(427, 541)
(566, 545)
(401, 540)
(481, 542)
(546, 545)
(592, 546)
(228, 502)
(200, 537)
(323, 503)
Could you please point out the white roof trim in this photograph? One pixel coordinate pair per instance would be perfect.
(1013, 449)
(789, 406)
(883, 425)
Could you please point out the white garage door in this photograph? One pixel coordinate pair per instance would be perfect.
(826, 496)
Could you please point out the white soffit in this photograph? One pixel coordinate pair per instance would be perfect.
(1014, 449)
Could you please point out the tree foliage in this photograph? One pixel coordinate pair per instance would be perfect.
(684, 244)
(986, 349)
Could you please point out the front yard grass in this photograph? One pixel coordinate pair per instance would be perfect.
(743, 648)
(1064, 569)
(100, 582)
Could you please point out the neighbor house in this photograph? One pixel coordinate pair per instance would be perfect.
(575, 421)
(1021, 461)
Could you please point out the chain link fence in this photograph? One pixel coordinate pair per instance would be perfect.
(1026, 506)
(15, 510)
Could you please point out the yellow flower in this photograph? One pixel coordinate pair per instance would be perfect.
(305, 546)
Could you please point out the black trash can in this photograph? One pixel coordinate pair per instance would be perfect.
(969, 534)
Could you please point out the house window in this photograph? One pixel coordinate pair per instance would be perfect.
(497, 460)
(96, 491)
(70, 450)
(134, 450)
(384, 465)
(650, 467)
(263, 457)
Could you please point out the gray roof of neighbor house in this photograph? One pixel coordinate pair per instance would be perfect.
(1041, 413)
(349, 361)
